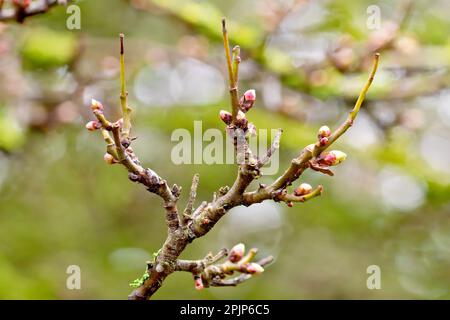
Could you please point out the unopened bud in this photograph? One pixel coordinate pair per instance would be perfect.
(254, 268)
(323, 141)
(324, 132)
(198, 283)
(247, 100)
(109, 159)
(237, 252)
(303, 189)
(250, 95)
(289, 204)
(332, 158)
(226, 116)
(96, 105)
(241, 120)
(93, 125)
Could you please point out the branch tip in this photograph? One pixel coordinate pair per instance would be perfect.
(122, 36)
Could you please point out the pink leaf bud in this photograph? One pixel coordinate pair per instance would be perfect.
(241, 120)
(324, 132)
(247, 100)
(254, 268)
(303, 189)
(93, 125)
(198, 283)
(250, 95)
(332, 158)
(226, 116)
(323, 141)
(96, 105)
(237, 252)
(109, 159)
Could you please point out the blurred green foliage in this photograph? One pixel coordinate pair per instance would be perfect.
(45, 48)
(61, 205)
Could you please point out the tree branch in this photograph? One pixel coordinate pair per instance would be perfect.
(24, 9)
(196, 223)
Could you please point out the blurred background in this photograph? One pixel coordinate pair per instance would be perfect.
(387, 205)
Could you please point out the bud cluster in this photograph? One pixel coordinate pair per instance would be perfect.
(323, 134)
(245, 104)
(93, 125)
(237, 254)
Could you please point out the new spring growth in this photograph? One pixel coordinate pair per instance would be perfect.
(93, 125)
(109, 159)
(323, 134)
(332, 158)
(241, 120)
(96, 105)
(226, 117)
(254, 268)
(237, 252)
(247, 100)
(303, 189)
(198, 283)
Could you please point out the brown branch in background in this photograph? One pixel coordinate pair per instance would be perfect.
(195, 223)
(23, 9)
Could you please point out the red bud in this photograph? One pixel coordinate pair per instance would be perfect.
(93, 125)
(323, 141)
(198, 283)
(324, 132)
(254, 268)
(247, 100)
(226, 116)
(250, 95)
(237, 252)
(96, 105)
(332, 158)
(241, 120)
